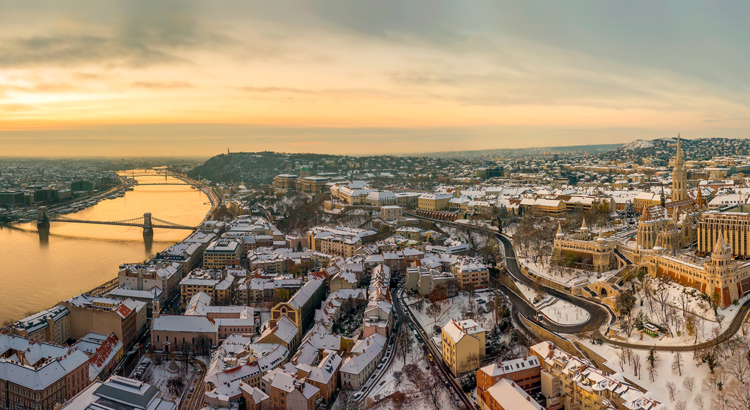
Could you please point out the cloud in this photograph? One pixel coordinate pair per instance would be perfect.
(152, 85)
(8, 108)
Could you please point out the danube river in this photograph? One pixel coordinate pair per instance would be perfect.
(37, 272)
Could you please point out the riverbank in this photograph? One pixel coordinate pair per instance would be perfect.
(75, 258)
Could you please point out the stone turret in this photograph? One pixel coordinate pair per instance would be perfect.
(584, 228)
(560, 233)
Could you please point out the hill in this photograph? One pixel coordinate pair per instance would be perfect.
(664, 148)
(524, 152)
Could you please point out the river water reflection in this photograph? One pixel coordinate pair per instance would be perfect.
(37, 270)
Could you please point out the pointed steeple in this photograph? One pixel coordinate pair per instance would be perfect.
(560, 233)
(584, 228)
(720, 249)
(678, 155)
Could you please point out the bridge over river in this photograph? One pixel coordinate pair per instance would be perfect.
(147, 222)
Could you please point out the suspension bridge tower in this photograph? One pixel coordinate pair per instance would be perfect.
(42, 218)
(148, 228)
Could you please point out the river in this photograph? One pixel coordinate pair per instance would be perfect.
(36, 272)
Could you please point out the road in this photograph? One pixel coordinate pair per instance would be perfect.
(599, 313)
(733, 328)
(396, 332)
(436, 354)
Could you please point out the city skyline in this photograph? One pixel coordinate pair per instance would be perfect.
(184, 78)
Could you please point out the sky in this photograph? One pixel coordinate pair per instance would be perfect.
(185, 78)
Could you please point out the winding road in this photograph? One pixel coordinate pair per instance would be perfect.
(599, 314)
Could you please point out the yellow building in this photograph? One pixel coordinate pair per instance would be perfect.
(463, 345)
(434, 202)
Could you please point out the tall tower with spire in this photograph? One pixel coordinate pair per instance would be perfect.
(679, 175)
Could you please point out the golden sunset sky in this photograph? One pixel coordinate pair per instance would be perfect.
(139, 77)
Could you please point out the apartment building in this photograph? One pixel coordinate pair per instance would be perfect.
(164, 276)
(237, 367)
(507, 395)
(216, 283)
(222, 253)
(51, 325)
(575, 383)
(364, 359)
(39, 376)
(289, 393)
(471, 273)
(422, 279)
(524, 372)
(324, 376)
(101, 315)
(261, 288)
(463, 345)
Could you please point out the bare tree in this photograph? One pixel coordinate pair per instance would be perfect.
(677, 363)
(672, 390)
(680, 405)
(738, 367)
(684, 300)
(404, 344)
(698, 400)
(621, 355)
(737, 395)
(689, 383)
(637, 365)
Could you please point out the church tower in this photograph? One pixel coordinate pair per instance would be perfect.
(679, 175)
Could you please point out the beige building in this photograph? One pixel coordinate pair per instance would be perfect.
(463, 345)
(222, 253)
(171, 333)
(285, 181)
(434, 202)
(51, 325)
(105, 316)
(289, 393)
(312, 185)
(575, 383)
(422, 279)
(391, 212)
(471, 273)
(214, 282)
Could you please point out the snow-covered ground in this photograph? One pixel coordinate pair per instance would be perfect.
(704, 318)
(417, 400)
(565, 313)
(658, 388)
(157, 375)
(452, 308)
